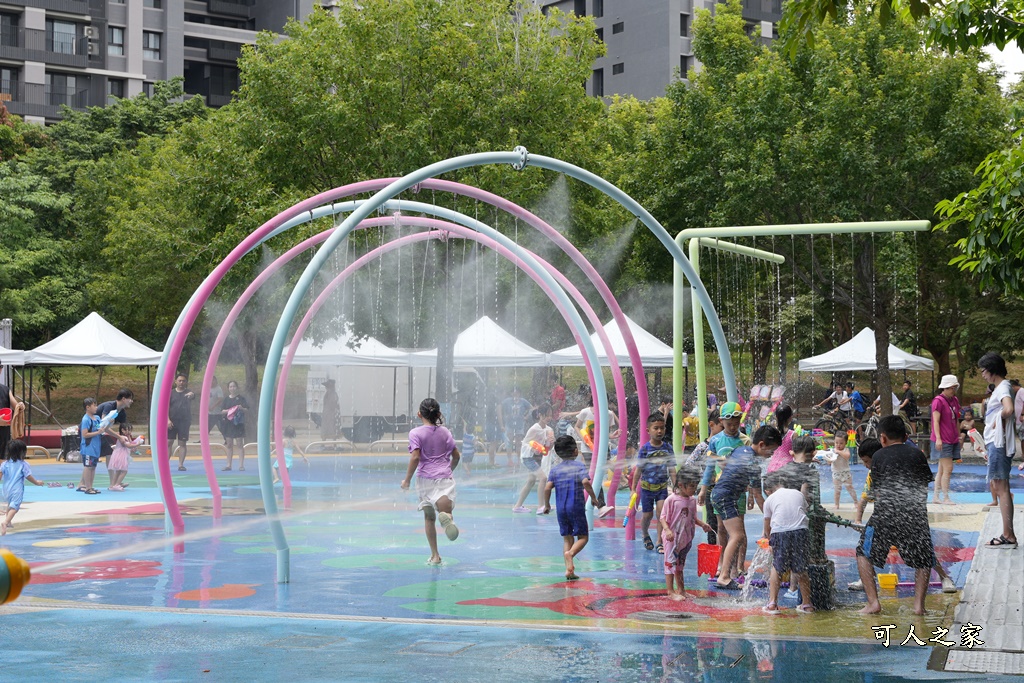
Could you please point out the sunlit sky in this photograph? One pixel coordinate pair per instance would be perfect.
(1010, 61)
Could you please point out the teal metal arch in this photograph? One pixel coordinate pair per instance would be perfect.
(518, 159)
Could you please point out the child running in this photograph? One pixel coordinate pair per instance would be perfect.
(786, 528)
(13, 474)
(841, 475)
(570, 478)
(433, 457)
(654, 461)
(678, 520)
(542, 436)
(288, 447)
(120, 456)
(741, 475)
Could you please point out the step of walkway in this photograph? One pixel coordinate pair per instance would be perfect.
(993, 598)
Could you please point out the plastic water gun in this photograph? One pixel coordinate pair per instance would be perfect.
(851, 439)
(539, 448)
(588, 434)
(977, 441)
(798, 430)
(630, 510)
(108, 419)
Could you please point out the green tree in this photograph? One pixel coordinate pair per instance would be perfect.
(866, 124)
(380, 90)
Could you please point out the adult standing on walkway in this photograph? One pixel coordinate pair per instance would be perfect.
(329, 417)
(7, 400)
(234, 409)
(179, 418)
(125, 397)
(1000, 443)
(216, 396)
(945, 435)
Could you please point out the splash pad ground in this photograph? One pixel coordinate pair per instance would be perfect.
(363, 604)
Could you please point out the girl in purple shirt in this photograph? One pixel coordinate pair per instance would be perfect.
(433, 456)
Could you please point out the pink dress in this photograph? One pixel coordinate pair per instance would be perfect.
(120, 454)
(680, 515)
(782, 456)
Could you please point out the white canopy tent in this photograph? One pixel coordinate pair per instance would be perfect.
(485, 344)
(342, 351)
(93, 341)
(11, 357)
(654, 353)
(859, 354)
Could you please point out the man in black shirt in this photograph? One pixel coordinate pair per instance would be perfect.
(899, 481)
(179, 418)
(125, 397)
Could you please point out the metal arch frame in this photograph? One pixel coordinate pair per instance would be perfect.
(520, 158)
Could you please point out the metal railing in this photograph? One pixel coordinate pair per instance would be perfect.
(76, 99)
(9, 90)
(66, 43)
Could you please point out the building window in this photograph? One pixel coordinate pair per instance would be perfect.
(9, 30)
(60, 36)
(147, 88)
(618, 27)
(151, 45)
(685, 62)
(8, 84)
(618, 68)
(61, 89)
(598, 9)
(115, 87)
(600, 34)
(598, 83)
(155, 4)
(579, 8)
(684, 25)
(115, 41)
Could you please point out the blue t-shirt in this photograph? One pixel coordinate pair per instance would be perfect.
(719, 446)
(653, 462)
(568, 476)
(857, 401)
(739, 471)
(14, 472)
(90, 445)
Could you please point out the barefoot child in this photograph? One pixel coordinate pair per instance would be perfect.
(654, 462)
(13, 473)
(678, 519)
(538, 441)
(289, 451)
(433, 457)
(741, 477)
(570, 478)
(120, 456)
(786, 528)
(841, 475)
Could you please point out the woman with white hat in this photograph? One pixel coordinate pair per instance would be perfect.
(945, 435)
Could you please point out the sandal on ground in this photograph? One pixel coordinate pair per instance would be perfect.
(92, 492)
(181, 468)
(1001, 542)
(82, 489)
(660, 549)
(225, 469)
(805, 609)
(771, 608)
(648, 543)
(241, 469)
(731, 586)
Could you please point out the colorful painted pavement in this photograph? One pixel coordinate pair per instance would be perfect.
(358, 559)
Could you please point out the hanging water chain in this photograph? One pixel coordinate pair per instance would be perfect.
(811, 274)
(832, 251)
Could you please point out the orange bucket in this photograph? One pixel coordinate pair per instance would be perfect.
(707, 559)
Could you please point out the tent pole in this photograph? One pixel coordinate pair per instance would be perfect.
(28, 399)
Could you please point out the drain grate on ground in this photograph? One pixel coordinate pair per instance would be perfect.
(436, 648)
(658, 615)
(982, 661)
(305, 642)
(533, 653)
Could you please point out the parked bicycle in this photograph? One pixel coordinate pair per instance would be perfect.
(833, 422)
